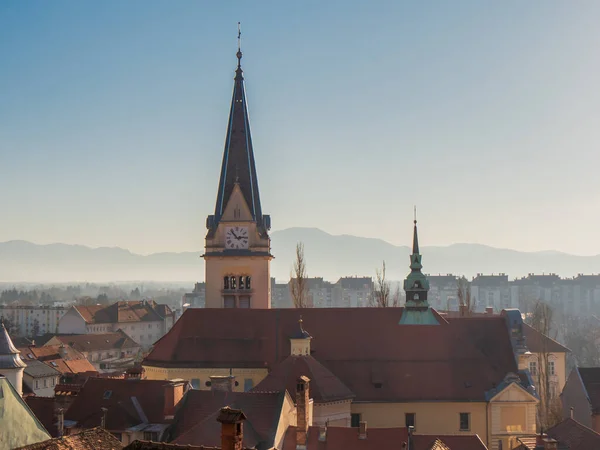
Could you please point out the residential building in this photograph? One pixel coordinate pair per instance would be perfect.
(129, 408)
(40, 378)
(352, 292)
(238, 247)
(280, 295)
(94, 439)
(11, 364)
(68, 361)
(492, 290)
(144, 321)
(442, 292)
(106, 351)
(18, 425)
(581, 397)
(196, 298)
(31, 321)
(450, 368)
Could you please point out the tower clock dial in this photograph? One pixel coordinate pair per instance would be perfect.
(236, 238)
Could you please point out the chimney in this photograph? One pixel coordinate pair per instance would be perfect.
(489, 310)
(103, 420)
(232, 432)
(61, 422)
(173, 395)
(62, 351)
(571, 409)
(302, 402)
(222, 383)
(362, 430)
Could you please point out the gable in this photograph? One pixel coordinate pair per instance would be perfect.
(514, 393)
(236, 209)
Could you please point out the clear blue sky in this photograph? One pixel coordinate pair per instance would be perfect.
(486, 115)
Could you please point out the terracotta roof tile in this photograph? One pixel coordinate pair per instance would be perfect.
(462, 358)
(119, 312)
(94, 439)
(453, 442)
(149, 445)
(324, 385)
(575, 435)
(590, 377)
(98, 342)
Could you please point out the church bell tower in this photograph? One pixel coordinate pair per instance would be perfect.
(238, 247)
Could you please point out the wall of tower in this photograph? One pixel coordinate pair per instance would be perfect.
(14, 377)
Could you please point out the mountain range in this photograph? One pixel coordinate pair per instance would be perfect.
(328, 256)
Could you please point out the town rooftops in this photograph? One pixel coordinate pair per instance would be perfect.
(61, 357)
(575, 435)
(98, 342)
(37, 369)
(365, 348)
(129, 403)
(344, 438)
(120, 312)
(44, 410)
(94, 439)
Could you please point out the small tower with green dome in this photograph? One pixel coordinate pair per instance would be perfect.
(416, 285)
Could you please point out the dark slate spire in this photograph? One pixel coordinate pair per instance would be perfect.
(238, 156)
(416, 285)
(9, 355)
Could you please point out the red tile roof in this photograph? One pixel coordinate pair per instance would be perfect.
(456, 360)
(119, 312)
(72, 363)
(590, 377)
(344, 438)
(150, 445)
(94, 439)
(121, 397)
(538, 342)
(575, 435)
(98, 342)
(324, 386)
(196, 423)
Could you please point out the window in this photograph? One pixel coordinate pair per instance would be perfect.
(195, 383)
(241, 285)
(244, 302)
(465, 421)
(551, 368)
(533, 367)
(232, 283)
(106, 395)
(229, 301)
(45, 382)
(410, 420)
(150, 436)
(354, 420)
(37, 384)
(225, 282)
(248, 282)
(53, 382)
(248, 384)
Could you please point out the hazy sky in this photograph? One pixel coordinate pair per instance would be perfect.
(486, 115)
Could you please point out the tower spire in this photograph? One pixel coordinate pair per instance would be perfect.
(415, 237)
(238, 156)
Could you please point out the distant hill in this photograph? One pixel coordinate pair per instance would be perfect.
(327, 255)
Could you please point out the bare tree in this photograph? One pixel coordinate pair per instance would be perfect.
(463, 293)
(298, 279)
(549, 409)
(381, 294)
(397, 295)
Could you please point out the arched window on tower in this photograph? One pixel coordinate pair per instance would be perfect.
(248, 282)
(241, 285)
(225, 282)
(232, 282)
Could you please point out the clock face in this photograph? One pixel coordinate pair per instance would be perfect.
(236, 237)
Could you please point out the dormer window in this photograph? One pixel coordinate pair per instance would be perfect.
(416, 297)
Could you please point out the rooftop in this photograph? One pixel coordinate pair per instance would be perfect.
(575, 435)
(94, 439)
